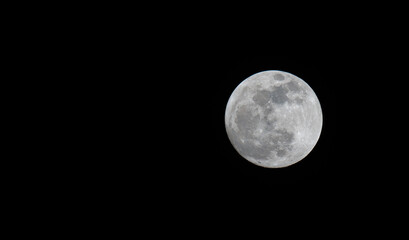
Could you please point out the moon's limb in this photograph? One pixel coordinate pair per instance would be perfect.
(273, 119)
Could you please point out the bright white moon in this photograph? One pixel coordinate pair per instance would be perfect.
(273, 119)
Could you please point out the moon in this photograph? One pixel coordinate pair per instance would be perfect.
(273, 119)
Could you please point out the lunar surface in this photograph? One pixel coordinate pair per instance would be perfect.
(273, 119)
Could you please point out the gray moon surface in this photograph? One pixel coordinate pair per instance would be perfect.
(273, 119)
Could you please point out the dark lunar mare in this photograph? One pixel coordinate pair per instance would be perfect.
(293, 86)
(279, 95)
(262, 97)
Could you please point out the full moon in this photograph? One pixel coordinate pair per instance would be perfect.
(273, 119)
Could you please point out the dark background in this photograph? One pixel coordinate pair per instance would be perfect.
(148, 105)
(120, 117)
(147, 133)
(148, 141)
